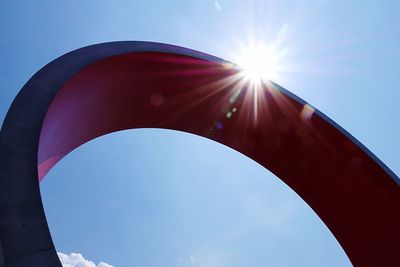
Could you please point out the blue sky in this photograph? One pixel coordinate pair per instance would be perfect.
(161, 198)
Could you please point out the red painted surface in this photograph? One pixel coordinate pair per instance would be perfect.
(353, 195)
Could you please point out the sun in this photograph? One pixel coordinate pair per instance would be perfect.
(259, 62)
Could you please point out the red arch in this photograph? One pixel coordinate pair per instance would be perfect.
(139, 90)
(114, 86)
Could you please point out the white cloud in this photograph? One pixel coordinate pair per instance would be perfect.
(77, 260)
(217, 6)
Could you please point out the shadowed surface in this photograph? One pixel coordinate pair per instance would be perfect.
(352, 193)
(1, 256)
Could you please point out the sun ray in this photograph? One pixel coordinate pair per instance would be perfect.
(259, 62)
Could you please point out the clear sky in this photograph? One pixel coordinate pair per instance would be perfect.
(161, 198)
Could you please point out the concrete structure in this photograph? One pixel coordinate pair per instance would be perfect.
(1, 256)
(114, 86)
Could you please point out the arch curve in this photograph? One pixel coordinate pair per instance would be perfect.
(109, 87)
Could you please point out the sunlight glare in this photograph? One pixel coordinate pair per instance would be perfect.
(259, 62)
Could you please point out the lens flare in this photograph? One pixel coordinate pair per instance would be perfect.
(259, 62)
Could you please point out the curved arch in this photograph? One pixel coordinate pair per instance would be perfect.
(114, 86)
